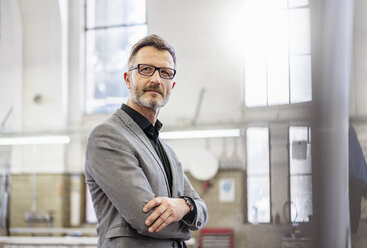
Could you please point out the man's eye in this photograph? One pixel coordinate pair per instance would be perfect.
(146, 69)
(165, 73)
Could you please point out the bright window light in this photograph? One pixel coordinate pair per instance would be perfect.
(258, 175)
(200, 134)
(277, 52)
(34, 140)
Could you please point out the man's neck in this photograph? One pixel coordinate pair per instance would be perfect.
(149, 113)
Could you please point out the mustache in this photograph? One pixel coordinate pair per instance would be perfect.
(153, 87)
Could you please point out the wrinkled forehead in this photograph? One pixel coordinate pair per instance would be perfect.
(151, 55)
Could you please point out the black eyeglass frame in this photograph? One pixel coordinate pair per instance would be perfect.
(155, 68)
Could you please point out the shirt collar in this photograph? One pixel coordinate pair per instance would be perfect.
(150, 130)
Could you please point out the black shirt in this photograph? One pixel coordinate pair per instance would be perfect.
(152, 132)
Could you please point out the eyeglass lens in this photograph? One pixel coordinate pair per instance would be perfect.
(148, 70)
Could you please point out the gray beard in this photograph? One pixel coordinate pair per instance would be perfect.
(137, 96)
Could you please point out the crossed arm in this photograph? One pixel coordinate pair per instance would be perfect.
(167, 210)
(114, 167)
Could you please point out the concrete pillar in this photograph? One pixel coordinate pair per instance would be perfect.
(332, 34)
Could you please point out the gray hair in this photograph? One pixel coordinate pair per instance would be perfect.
(155, 41)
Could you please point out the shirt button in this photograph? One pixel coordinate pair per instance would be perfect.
(199, 223)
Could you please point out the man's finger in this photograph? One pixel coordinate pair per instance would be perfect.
(159, 221)
(168, 221)
(156, 214)
(151, 204)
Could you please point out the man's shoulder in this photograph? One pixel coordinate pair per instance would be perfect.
(115, 123)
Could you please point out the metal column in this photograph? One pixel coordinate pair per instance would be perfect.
(332, 36)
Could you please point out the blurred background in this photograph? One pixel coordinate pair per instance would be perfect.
(253, 81)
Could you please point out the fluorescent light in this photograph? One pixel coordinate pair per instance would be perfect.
(34, 140)
(200, 134)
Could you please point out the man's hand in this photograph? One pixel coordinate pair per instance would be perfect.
(167, 210)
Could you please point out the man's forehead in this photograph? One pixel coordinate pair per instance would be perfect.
(151, 54)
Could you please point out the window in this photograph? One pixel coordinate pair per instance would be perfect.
(112, 27)
(277, 67)
(300, 173)
(258, 176)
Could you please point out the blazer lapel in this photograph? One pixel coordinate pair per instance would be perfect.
(173, 165)
(130, 123)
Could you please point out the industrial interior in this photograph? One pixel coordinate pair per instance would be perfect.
(268, 116)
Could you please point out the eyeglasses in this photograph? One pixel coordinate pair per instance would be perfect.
(149, 70)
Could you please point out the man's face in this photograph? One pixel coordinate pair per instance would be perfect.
(150, 91)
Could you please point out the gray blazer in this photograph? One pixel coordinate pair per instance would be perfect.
(124, 172)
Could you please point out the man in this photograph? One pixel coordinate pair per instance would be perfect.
(140, 194)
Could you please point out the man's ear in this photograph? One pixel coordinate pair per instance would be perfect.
(173, 85)
(127, 79)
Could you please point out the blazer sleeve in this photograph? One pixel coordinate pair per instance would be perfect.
(111, 162)
(202, 214)
(201, 209)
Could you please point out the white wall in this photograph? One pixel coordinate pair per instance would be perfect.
(43, 70)
(11, 96)
(11, 60)
(33, 62)
(75, 150)
(208, 57)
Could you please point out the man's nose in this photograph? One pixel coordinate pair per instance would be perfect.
(156, 78)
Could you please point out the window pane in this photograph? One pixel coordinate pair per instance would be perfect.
(255, 47)
(300, 151)
(277, 31)
(299, 31)
(278, 65)
(277, 4)
(255, 82)
(258, 200)
(301, 198)
(258, 192)
(300, 78)
(257, 150)
(297, 3)
(102, 13)
(277, 52)
(107, 51)
(278, 81)
(300, 173)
